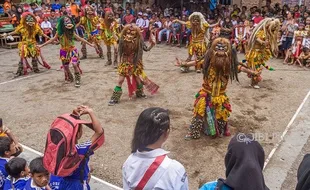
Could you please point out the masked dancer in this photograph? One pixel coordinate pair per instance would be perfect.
(68, 52)
(131, 47)
(28, 29)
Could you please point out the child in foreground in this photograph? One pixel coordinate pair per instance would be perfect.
(18, 171)
(39, 176)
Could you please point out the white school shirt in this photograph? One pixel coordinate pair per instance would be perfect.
(46, 24)
(146, 23)
(170, 174)
(140, 22)
(159, 24)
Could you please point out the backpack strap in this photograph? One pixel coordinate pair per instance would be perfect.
(150, 171)
(220, 184)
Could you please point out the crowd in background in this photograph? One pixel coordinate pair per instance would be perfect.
(160, 19)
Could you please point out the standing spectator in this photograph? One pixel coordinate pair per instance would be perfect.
(257, 17)
(56, 5)
(128, 7)
(244, 162)
(128, 18)
(303, 174)
(296, 12)
(185, 32)
(39, 176)
(18, 171)
(32, 8)
(73, 182)
(166, 11)
(288, 29)
(7, 149)
(151, 131)
(44, 8)
(165, 30)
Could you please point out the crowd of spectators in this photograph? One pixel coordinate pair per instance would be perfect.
(160, 19)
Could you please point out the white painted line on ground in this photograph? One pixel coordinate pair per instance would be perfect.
(286, 130)
(93, 177)
(22, 78)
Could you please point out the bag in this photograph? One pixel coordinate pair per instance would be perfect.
(60, 156)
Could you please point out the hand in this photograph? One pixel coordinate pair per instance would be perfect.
(84, 110)
(19, 147)
(39, 46)
(93, 45)
(4, 35)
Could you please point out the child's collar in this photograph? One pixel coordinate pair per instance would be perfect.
(3, 158)
(34, 186)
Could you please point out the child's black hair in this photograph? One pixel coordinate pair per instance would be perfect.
(5, 143)
(151, 124)
(36, 166)
(15, 166)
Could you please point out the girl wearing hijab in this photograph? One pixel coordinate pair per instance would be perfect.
(148, 167)
(303, 174)
(244, 162)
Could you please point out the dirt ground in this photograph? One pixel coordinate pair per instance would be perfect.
(29, 105)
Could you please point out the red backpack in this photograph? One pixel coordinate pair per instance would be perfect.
(60, 156)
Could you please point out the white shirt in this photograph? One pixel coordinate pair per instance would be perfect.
(146, 23)
(140, 22)
(46, 24)
(170, 174)
(159, 24)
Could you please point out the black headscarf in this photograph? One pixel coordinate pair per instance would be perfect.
(303, 174)
(244, 162)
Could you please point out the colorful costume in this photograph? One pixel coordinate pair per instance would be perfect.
(91, 22)
(212, 107)
(68, 52)
(109, 34)
(131, 47)
(28, 29)
(298, 39)
(198, 45)
(262, 46)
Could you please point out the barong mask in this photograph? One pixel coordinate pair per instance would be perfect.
(68, 23)
(90, 11)
(195, 20)
(131, 35)
(109, 16)
(30, 20)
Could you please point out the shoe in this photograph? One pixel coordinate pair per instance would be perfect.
(256, 87)
(112, 102)
(198, 71)
(83, 57)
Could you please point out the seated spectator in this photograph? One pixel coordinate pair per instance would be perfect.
(73, 182)
(74, 8)
(165, 30)
(47, 27)
(145, 27)
(56, 5)
(151, 131)
(32, 8)
(175, 28)
(139, 20)
(44, 8)
(7, 150)
(303, 174)
(244, 162)
(18, 170)
(39, 176)
(53, 20)
(257, 17)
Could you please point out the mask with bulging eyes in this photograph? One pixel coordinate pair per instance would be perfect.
(89, 10)
(30, 20)
(68, 23)
(195, 21)
(221, 49)
(130, 35)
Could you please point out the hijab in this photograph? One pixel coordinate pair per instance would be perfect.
(303, 174)
(244, 162)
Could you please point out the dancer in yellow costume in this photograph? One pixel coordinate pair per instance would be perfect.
(109, 35)
(131, 47)
(212, 107)
(28, 29)
(198, 45)
(90, 22)
(262, 46)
